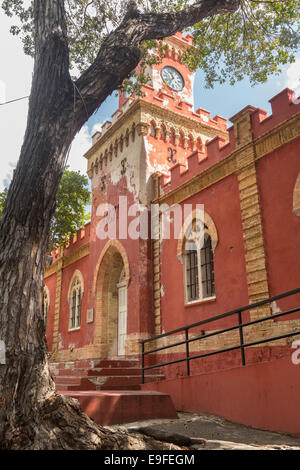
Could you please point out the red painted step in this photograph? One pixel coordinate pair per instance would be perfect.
(105, 374)
(109, 390)
(116, 407)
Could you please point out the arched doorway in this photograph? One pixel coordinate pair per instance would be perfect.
(122, 313)
(111, 301)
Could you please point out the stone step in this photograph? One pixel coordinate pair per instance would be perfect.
(61, 379)
(98, 372)
(117, 407)
(103, 383)
(104, 374)
(116, 363)
(119, 387)
(115, 371)
(97, 383)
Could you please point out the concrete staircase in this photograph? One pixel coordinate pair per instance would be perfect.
(119, 374)
(109, 390)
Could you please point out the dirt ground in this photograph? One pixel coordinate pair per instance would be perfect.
(208, 432)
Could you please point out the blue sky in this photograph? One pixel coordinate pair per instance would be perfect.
(15, 81)
(224, 100)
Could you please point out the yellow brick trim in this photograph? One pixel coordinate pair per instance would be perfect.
(157, 286)
(76, 255)
(283, 133)
(287, 131)
(257, 276)
(57, 310)
(67, 260)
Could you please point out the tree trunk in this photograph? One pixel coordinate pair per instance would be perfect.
(32, 414)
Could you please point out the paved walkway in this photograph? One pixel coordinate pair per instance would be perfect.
(208, 432)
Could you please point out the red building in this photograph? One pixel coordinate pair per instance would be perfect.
(230, 198)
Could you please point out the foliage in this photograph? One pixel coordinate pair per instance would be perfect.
(72, 198)
(254, 41)
(3, 195)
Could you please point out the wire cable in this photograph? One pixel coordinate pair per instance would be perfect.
(12, 101)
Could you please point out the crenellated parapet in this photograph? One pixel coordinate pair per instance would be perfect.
(76, 248)
(142, 117)
(250, 126)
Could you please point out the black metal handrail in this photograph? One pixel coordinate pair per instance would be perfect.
(240, 326)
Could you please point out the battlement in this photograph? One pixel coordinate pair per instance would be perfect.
(164, 99)
(82, 237)
(284, 105)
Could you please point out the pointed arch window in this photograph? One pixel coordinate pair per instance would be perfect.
(198, 262)
(75, 302)
(191, 266)
(207, 268)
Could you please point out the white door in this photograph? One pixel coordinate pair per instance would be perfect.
(122, 318)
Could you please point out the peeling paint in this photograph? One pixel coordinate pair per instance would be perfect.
(60, 341)
(275, 308)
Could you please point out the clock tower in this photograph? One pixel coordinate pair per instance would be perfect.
(145, 138)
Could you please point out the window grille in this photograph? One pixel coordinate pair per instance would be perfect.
(192, 283)
(75, 304)
(207, 268)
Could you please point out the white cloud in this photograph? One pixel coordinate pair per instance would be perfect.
(15, 82)
(96, 128)
(80, 146)
(293, 76)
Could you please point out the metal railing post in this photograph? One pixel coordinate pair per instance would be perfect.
(187, 351)
(241, 338)
(241, 345)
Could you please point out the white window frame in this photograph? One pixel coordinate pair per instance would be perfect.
(199, 242)
(76, 285)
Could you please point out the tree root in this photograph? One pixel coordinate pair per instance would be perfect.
(60, 424)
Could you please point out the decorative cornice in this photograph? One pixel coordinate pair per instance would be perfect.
(67, 260)
(204, 179)
(81, 252)
(182, 120)
(134, 107)
(278, 136)
(141, 106)
(54, 268)
(265, 144)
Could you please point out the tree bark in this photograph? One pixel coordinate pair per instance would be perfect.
(32, 414)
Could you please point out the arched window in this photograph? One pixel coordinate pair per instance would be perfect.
(191, 267)
(75, 301)
(198, 262)
(207, 268)
(46, 303)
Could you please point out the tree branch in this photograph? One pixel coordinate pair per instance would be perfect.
(120, 53)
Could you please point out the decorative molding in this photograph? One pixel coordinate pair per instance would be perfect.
(76, 255)
(282, 134)
(196, 184)
(211, 230)
(263, 145)
(139, 118)
(53, 268)
(66, 260)
(116, 246)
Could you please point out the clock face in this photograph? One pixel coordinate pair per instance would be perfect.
(172, 78)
